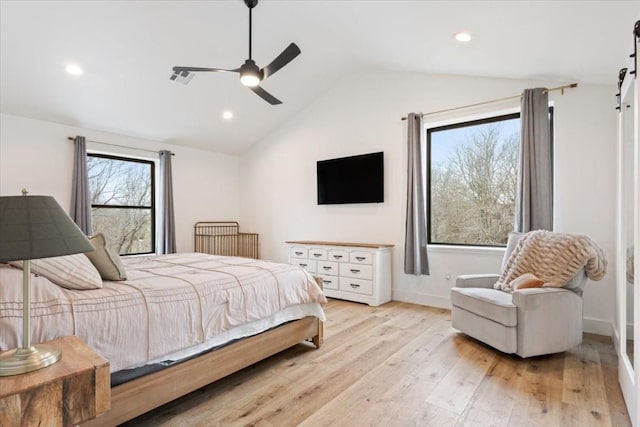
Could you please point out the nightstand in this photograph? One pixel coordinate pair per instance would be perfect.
(76, 389)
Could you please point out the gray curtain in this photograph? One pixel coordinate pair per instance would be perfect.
(415, 243)
(80, 197)
(167, 235)
(534, 195)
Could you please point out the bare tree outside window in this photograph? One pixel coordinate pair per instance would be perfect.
(122, 201)
(472, 177)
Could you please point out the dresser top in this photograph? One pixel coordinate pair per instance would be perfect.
(351, 245)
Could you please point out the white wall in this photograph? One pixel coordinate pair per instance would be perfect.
(362, 114)
(277, 183)
(37, 155)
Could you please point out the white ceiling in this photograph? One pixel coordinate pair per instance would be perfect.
(127, 49)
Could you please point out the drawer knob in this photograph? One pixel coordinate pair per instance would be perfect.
(303, 265)
(337, 256)
(353, 270)
(353, 285)
(360, 258)
(327, 268)
(298, 253)
(326, 281)
(316, 255)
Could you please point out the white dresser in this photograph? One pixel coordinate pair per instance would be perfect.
(358, 272)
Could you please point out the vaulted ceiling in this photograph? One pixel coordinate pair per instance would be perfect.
(127, 50)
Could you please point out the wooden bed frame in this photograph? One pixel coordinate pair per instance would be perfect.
(143, 394)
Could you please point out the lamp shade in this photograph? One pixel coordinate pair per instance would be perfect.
(33, 227)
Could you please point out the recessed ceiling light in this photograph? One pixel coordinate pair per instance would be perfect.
(463, 37)
(227, 115)
(74, 69)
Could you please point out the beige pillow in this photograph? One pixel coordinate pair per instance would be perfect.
(69, 271)
(108, 264)
(527, 280)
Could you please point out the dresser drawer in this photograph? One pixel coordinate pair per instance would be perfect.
(358, 286)
(360, 257)
(319, 254)
(338, 255)
(330, 282)
(297, 252)
(308, 264)
(328, 267)
(358, 271)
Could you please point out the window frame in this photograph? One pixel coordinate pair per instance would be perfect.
(152, 177)
(491, 117)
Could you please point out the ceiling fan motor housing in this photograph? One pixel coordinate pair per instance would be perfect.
(250, 74)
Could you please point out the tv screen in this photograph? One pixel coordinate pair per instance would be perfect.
(355, 179)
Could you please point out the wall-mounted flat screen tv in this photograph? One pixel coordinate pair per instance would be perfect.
(354, 179)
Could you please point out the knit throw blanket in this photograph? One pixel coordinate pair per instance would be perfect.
(554, 258)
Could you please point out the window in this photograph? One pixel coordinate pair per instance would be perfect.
(472, 174)
(123, 202)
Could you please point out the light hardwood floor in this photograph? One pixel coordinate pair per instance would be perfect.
(403, 365)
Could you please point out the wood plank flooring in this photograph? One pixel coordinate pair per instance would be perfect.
(403, 365)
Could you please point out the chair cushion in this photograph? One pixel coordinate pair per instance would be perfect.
(491, 304)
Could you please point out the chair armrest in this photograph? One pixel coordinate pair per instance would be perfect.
(544, 296)
(476, 280)
(549, 320)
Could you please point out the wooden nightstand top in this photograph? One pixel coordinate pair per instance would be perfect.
(75, 389)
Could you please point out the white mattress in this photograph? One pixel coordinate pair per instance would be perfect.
(170, 307)
(248, 329)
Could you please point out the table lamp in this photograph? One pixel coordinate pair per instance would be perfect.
(33, 227)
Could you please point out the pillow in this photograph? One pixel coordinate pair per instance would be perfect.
(514, 238)
(527, 280)
(109, 264)
(69, 271)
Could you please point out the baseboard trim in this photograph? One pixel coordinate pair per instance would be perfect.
(616, 340)
(421, 299)
(597, 326)
(590, 325)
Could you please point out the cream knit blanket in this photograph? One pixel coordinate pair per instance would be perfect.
(554, 258)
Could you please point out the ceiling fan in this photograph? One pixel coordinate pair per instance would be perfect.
(250, 74)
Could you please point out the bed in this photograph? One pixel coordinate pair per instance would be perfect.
(182, 320)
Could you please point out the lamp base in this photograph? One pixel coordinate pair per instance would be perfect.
(27, 359)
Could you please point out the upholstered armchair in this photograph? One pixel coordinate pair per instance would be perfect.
(527, 322)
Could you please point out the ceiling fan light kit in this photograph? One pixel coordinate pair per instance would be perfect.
(250, 74)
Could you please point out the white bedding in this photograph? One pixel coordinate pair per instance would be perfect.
(170, 306)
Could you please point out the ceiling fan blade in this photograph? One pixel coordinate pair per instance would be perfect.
(194, 69)
(265, 95)
(283, 59)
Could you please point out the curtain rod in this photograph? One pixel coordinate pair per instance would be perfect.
(553, 89)
(116, 145)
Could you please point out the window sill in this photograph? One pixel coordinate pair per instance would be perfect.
(475, 250)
